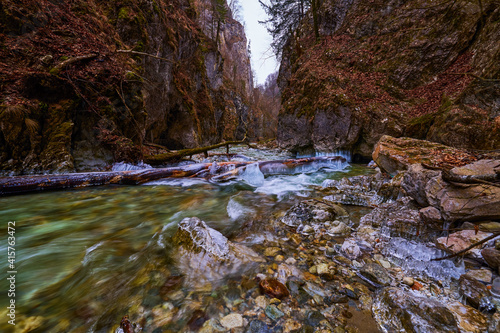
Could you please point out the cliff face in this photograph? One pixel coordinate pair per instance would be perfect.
(83, 83)
(422, 69)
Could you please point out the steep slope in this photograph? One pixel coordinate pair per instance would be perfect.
(424, 69)
(83, 83)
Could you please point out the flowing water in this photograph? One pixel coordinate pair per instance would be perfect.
(85, 257)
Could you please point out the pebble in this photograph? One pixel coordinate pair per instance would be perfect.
(271, 251)
(291, 326)
(408, 281)
(232, 320)
(273, 313)
(313, 269)
(261, 302)
(290, 261)
(279, 258)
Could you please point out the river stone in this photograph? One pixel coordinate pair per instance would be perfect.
(257, 326)
(273, 288)
(232, 320)
(481, 275)
(351, 249)
(339, 228)
(472, 290)
(464, 203)
(206, 256)
(314, 318)
(273, 313)
(461, 240)
(271, 251)
(309, 211)
(397, 310)
(212, 326)
(376, 273)
(468, 318)
(291, 326)
(492, 258)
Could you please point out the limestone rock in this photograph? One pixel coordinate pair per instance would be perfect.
(482, 170)
(481, 275)
(415, 180)
(399, 311)
(430, 215)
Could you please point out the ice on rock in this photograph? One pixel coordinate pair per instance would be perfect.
(204, 237)
(252, 175)
(415, 257)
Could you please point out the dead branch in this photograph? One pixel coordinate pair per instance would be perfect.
(145, 54)
(59, 67)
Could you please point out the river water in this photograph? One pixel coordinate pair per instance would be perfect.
(86, 257)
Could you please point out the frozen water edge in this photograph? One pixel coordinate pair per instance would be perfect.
(415, 258)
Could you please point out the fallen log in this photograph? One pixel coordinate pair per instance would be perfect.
(179, 154)
(35, 183)
(227, 170)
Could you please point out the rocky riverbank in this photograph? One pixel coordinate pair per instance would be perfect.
(318, 267)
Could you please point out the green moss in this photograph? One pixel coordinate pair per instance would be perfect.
(123, 14)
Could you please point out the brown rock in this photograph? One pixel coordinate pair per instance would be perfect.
(430, 215)
(473, 290)
(273, 288)
(468, 318)
(492, 257)
(461, 240)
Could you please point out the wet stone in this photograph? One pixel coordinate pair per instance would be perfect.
(314, 318)
(232, 320)
(257, 326)
(271, 251)
(399, 311)
(335, 299)
(376, 273)
(472, 290)
(492, 257)
(273, 313)
(273, 288)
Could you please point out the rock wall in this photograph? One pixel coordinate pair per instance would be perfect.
(86, 83)
(396, 68)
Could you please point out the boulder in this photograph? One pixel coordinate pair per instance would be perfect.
(207, 256)
(397, 310)
(464, 202)
(398, 154)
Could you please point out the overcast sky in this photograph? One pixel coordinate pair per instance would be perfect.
(263, 59)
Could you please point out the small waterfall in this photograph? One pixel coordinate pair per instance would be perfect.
(342, 153)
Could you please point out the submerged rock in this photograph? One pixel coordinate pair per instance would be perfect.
(397, 310)
(205, 255)
(273, 288)
(376, 274)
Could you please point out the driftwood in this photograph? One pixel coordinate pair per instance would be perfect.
(35, 183)
(63, 64)
(179, 154)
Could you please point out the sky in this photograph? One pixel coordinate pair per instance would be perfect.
(263, 58)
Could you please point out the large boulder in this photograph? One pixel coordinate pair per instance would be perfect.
(397, 310)
(398, 154)
(471, 202)
(207, 256)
